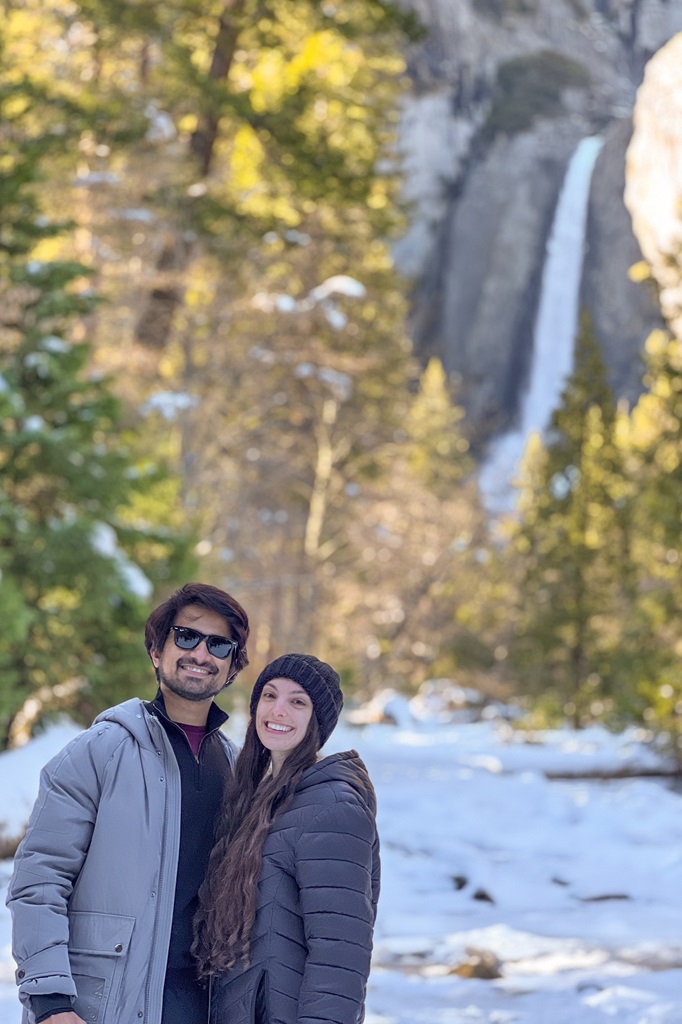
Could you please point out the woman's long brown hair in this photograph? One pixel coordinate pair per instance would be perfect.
(229, 895)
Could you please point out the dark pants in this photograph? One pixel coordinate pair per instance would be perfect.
(185, 1000)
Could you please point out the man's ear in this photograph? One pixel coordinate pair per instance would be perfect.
(155, 659)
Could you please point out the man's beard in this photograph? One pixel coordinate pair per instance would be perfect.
(173, 684)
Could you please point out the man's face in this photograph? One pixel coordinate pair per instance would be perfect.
(193, 675)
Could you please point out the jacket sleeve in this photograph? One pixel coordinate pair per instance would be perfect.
(47, 864)
(338, 876)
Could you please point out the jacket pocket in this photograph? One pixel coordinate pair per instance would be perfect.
(98, 946)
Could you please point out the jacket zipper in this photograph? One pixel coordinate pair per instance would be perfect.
(161, 887)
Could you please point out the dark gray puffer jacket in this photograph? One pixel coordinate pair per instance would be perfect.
(312, 939)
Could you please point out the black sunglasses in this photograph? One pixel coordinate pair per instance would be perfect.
(187, 639)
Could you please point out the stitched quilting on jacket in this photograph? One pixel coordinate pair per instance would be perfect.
(312, 938)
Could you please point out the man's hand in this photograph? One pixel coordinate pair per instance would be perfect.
(64, 1018)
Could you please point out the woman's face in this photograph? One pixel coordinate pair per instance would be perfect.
(282, 716)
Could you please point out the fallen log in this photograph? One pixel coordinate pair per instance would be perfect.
(607, 775)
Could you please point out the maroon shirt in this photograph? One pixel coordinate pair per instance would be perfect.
(195, 734)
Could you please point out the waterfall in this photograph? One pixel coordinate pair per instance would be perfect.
(554, 332)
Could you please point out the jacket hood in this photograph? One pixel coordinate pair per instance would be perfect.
(348, 768)
(141, 719)
(133, 716)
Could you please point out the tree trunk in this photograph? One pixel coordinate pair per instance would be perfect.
(155, 323)
(203, 140)
(156, 320)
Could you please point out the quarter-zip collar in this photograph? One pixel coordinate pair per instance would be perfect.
(216, 716)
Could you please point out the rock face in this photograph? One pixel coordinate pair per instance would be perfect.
(654, 188)
(503, 92)
(623, 312)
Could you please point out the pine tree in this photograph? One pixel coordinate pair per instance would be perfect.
(77, 570)
(253, 113)
(407, 585)
(439, 449)
(573, 543)
(654, 449)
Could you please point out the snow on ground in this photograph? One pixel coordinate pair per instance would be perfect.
(565, 895)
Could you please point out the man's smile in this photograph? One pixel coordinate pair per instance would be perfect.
(196, 670)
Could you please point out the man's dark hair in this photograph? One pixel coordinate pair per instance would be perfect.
(162, 618)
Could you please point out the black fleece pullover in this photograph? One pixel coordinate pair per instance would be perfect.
(203, 781)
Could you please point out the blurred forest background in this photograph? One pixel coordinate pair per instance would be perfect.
(208, 371)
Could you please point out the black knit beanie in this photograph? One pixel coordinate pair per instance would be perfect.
(318, 679)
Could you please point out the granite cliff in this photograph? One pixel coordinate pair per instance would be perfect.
(502, 92)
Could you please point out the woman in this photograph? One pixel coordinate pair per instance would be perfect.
(288, 906)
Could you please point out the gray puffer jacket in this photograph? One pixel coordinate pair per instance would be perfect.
(312, 939)
(93, 885)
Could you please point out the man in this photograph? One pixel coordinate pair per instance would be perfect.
(105, 881)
